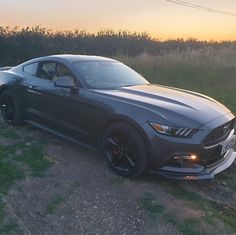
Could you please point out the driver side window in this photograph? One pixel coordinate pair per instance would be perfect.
(52, 71)
(63, 71)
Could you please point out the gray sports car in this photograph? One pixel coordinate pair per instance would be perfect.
(103, 104)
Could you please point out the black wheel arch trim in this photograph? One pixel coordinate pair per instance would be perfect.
(3, 88)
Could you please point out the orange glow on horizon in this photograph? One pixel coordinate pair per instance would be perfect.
(161, 19)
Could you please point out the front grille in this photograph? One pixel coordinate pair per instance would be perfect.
(216, 157)
(219, 134)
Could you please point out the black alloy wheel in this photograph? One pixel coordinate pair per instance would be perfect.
(124, 150)
(9, 109)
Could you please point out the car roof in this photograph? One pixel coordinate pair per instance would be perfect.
(66, 58)
(72, 58)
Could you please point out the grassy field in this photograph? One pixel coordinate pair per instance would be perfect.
(209, 71)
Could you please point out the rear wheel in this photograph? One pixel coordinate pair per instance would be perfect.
(124, 150)
(10, 109)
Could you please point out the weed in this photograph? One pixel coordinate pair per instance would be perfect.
(9, 173)
(188, 226)
(9, 133)
(117, 180)
(52, 206)
(35, 158)
(9, 227)
(228, 177)
(76, 184)
(155, 210)
(149, 204)
(212, 209)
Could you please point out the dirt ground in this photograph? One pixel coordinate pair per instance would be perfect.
(79, 194)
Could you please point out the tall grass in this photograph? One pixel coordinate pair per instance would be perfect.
(21, 44)
(207, 70)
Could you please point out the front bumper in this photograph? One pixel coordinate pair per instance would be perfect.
(163, 149)
(199, 172)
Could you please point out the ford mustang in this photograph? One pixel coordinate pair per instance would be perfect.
(103, 104)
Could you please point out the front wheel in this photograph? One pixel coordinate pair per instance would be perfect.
(124, 150)
(9, 109)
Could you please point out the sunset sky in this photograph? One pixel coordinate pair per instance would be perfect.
(160, 18)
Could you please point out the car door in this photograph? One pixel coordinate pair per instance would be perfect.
(28, 73)
(57, 108)
(40, 90)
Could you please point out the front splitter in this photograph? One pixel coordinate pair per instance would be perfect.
(206, 173)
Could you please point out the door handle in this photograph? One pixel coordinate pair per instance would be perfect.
(33, 89)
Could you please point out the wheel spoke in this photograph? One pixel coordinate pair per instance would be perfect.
(112, 142)
(4, 107)
(130, 161)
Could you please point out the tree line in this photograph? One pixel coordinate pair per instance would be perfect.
(20, 44)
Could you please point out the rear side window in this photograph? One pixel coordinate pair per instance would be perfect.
(31, 69)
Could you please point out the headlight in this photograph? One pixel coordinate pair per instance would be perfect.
(173, 131)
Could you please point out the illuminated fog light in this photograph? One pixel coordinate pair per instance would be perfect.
(193, 157)
(187, 157)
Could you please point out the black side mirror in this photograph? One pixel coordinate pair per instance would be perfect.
(64, 82)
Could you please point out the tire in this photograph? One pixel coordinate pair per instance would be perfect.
(10, 109)
(124, 150)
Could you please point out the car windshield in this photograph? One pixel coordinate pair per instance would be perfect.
(108, 75)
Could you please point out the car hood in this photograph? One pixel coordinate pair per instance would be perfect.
(171, 103)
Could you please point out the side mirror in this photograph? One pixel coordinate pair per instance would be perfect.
(64, 82)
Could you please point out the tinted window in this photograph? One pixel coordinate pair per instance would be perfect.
(47, 70)
(31, 69)
(108, 75)
(63, 71)
(52, 71)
